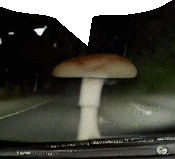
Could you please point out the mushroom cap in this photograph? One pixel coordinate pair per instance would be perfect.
(96, 66)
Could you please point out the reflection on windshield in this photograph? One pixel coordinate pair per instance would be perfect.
(39, 107)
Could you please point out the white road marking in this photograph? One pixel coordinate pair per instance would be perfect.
(147, 112)
(6, 116)
(100, 120)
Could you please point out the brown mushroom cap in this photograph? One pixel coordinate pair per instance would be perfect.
(96, 66)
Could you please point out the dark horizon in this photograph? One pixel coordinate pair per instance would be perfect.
(25, 53)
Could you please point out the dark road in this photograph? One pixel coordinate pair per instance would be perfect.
(58, 119)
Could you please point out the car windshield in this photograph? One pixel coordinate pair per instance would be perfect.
(37, 106)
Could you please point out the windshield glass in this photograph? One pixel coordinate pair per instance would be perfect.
(37, 106)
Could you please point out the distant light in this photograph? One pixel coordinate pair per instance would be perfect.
(0, 41)
(11, 33)
(40, 31)
(54, 44)
(6, 69)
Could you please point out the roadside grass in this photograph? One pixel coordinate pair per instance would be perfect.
(10, 92)
(13, 91)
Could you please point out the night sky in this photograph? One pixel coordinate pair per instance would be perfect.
(25, 53)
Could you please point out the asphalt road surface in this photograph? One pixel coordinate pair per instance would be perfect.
(56, 117)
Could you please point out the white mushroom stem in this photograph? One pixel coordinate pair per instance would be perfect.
(89, 102)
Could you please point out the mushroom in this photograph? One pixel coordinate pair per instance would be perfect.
(94, 69)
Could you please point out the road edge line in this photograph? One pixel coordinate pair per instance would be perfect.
(21, 111)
